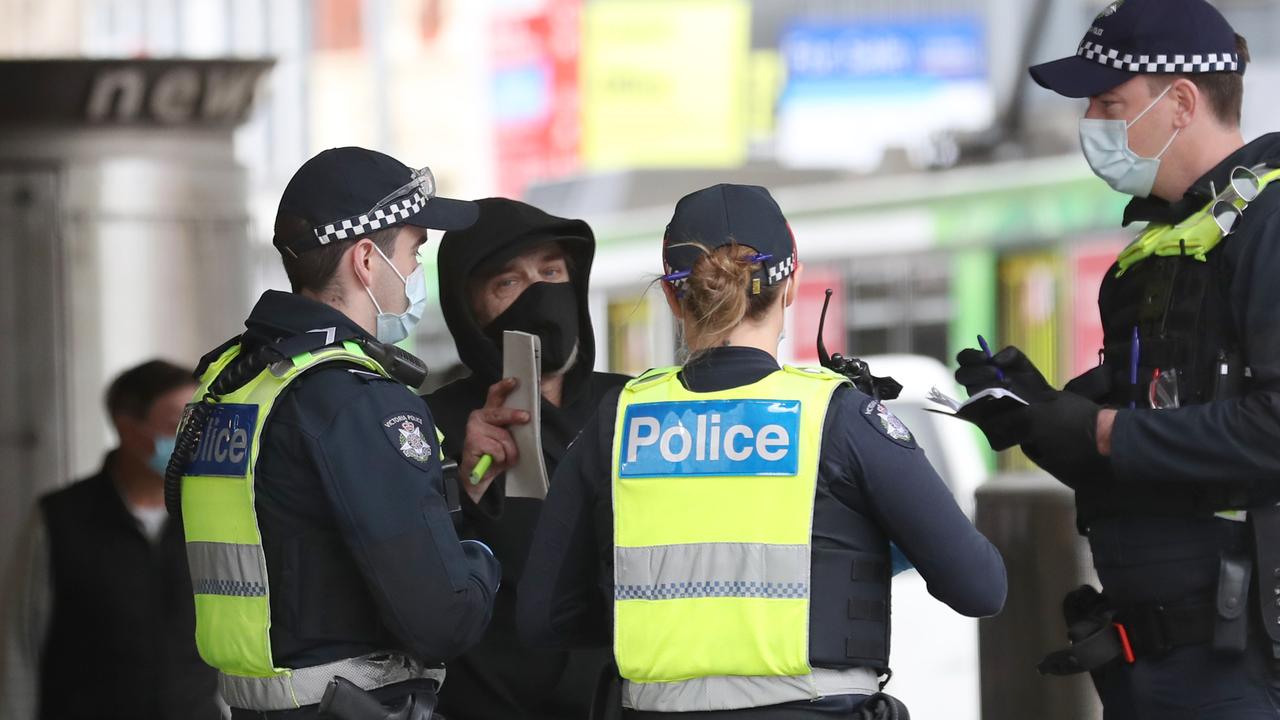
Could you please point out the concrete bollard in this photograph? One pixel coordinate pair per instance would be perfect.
(1030, 517)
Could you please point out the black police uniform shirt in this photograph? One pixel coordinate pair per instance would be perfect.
(500, 677)
(1140, 556)
(360, 548)
(866, 475)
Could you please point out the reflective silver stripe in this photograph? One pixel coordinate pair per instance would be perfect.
(227, 569)
(698, 570)
(727, 692)
(306, 686)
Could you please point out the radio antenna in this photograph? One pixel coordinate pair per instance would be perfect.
(823, 357)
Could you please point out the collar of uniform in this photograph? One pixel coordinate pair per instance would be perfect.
(279, 315)
(1265, 149)
(727, 367)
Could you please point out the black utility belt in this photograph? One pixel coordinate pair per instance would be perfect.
(1102, 634)
(1150, 630)
(1132, 634)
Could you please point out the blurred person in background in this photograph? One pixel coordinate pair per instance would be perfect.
(516, 268)
(1172, 444)
(725, 525)
(311, 483)
(98, 615)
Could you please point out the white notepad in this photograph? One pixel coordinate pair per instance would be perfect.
(522, 360)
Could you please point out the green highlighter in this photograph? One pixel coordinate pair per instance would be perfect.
(482, 467)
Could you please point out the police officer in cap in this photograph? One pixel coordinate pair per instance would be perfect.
(317, 527)
(725, 524)
(1172, 443)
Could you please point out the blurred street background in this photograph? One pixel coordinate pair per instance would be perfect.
(144, 145)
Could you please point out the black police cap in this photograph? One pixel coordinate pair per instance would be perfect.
(343, 193)
(728, 214)
(1133, 37)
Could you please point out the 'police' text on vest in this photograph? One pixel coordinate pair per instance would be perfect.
(224, 441)
(710, 437)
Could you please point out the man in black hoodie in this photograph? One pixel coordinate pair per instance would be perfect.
(516, 268)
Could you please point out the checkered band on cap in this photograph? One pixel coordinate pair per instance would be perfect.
(385, 216)
(1162, 63)
(773, 274)
(781, 271)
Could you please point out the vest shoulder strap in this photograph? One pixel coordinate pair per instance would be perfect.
(654, 377)
(216, 367)
(817, 372)
(1196, 235)
(283, 371)
(651, 377)
(348, 351)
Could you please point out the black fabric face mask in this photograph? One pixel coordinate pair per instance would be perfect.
(548, 310)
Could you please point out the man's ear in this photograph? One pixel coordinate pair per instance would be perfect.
(360, 259)
(1187, 102)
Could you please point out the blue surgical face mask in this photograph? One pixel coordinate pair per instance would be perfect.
(394, 327)
(159, 461)
(1106, 148)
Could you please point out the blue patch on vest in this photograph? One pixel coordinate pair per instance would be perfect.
(710, 437)
(226, 441)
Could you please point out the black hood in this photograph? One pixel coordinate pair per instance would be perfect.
(504, 229)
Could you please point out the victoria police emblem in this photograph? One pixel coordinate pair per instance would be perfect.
(404, 430)
(887, 423)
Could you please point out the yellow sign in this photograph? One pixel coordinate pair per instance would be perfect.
(664, 83)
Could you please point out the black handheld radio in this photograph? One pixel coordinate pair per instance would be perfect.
(858, 372)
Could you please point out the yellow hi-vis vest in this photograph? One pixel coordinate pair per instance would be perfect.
(712, 511)
(1194, 236)
(225, 555)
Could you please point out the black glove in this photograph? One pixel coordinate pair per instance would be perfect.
(1003, 429)
(1061, 437)
(977, 372)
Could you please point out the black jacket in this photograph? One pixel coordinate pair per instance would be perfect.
(121, 638)
(1156, 454)
(870, 484)
(500, 678)
(362, 555)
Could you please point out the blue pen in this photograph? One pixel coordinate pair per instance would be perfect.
(982, 342)
(1133, 370)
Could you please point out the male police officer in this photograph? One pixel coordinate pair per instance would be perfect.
(1178, 430)
(309, 469)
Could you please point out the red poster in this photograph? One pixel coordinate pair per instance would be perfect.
(535, 87)
(1089, 264)
(807, 309)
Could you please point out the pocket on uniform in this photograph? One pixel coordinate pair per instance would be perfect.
(439, 527)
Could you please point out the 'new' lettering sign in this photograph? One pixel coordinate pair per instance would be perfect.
(711, 437)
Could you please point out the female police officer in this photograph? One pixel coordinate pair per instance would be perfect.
(726, 524)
